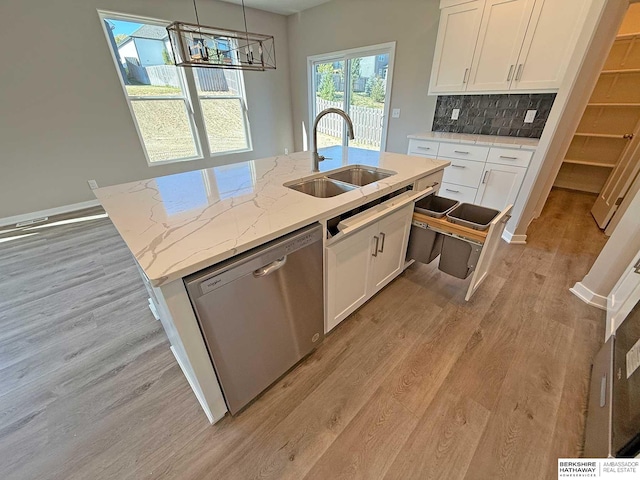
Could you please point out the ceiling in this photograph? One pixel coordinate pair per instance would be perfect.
(283, 7)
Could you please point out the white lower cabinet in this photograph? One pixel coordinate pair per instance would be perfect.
(499, 186)
(365, 261)
(458, 192)
(487, 176)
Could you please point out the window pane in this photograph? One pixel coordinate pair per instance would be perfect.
(224, 121)
(164, 126)
(145, 58)
(214, 81)
(329, 92)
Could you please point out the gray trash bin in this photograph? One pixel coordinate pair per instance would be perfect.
(459, 257)
(472, 216)
(424, 244)
(435, 206)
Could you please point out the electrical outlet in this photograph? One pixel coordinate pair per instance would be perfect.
(395, 113)
(455, 114)
(286, 151)
(530, 116)
(92, 184)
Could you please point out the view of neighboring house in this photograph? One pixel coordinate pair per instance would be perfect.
(145, 45)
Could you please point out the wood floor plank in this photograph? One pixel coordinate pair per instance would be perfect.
(368, 445)
(483, 365)
(515, 442)
(442, 444)
(409, 386)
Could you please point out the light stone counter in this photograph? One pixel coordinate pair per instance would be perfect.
(179, 224)
(489, 140)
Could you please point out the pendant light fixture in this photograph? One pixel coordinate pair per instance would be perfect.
(196, 45)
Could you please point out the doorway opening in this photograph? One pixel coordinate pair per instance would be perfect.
(604, 155)
(357, 81)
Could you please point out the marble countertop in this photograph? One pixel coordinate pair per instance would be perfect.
(179, 224)
(489, 140)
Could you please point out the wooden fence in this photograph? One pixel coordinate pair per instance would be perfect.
(209, 80)
(367, 122)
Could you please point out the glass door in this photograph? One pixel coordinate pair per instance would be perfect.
(357, 83)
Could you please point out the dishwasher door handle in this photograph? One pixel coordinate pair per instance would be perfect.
(270, 268)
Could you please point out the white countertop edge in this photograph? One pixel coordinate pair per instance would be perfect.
(498, 141)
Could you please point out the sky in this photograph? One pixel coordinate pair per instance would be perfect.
(124, 27)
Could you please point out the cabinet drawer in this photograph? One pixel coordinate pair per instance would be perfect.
(434, 180)
(463, 172)
(423, 148)
(458, 192)
(506, 156)
(463, 151)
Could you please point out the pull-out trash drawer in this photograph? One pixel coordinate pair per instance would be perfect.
(425, 244)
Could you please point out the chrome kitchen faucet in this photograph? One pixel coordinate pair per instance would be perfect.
(316, 159)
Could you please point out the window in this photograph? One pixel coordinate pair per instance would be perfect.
(170, 118)
(357, 81)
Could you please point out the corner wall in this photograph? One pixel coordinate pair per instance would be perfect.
(331, 27)
(64, 119)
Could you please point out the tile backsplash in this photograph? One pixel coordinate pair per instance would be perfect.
(493, 114)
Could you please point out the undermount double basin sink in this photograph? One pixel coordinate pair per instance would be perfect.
(336, 182)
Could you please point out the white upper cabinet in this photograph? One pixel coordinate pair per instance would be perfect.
(548, 46)
(457, 34)
(505, 45)
(503, 29)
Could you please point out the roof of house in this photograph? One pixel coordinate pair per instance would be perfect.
(152, 32)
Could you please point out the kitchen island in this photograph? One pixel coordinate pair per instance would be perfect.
(180, 224)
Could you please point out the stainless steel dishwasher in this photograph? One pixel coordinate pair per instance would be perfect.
(261, 312)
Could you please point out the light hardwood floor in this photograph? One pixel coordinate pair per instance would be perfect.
(417, 384)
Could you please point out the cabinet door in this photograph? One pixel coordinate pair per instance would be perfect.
(393, 234)
(457, 36)
(485, 262)
(503, 29)
(348, 271)
(499, 186)
(548, 46)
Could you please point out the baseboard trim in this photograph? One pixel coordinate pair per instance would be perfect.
(47, 213)
(514, 239)
(589, 297)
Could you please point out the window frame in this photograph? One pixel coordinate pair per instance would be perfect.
(190, 96)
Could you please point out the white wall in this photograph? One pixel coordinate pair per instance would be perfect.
(63, 115)
(127, 50)
(149, 51)
(345, 24)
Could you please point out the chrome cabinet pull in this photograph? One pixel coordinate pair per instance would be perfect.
(519, 74)
(460, 151)
(382, 236)
(464, 79)
(508, 158)
(375, 250)
(424, 148)
(484, 179)
(452, 191)
(603, 391)
(636, 267)
(510, 72)
(458, 166)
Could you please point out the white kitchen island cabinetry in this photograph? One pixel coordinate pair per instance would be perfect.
(518, 45)
(171, 239)
(363, 262)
